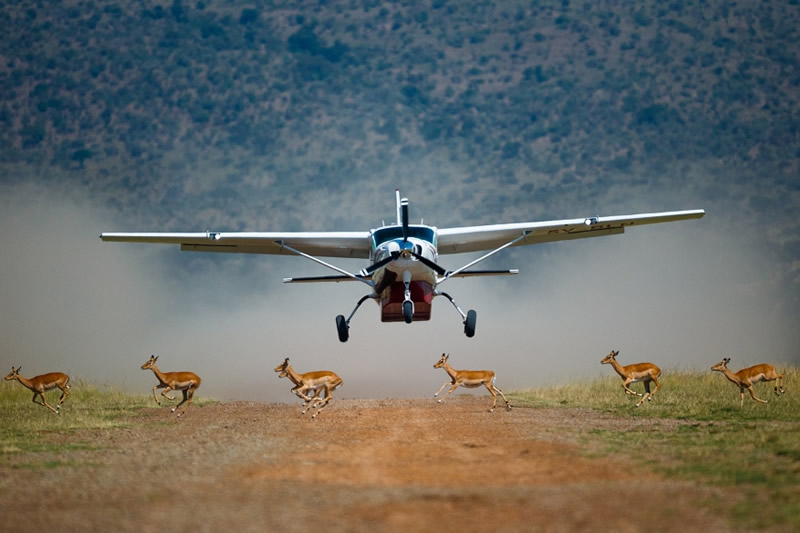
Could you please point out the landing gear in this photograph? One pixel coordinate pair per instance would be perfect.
(469, 319)
(469, 323)
(343, 324)
(342, 328)
(408, 305)
(408, 311)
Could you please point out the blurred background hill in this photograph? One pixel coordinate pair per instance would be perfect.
(538, 98)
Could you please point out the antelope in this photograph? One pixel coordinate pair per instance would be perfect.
(469, 379)
(40, 384)
(644, 372)
(320, 380)
(746, 377)
(186, 382)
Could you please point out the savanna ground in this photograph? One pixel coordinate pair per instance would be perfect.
(116, 462)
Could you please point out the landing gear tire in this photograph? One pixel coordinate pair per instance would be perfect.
(408, 311)
(342, 328)
(469, 323)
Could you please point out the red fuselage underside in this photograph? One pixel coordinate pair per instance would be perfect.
(392, 301)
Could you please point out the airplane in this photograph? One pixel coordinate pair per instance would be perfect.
(404, 275)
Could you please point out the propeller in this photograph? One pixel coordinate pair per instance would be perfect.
(366, 272)
(404, 215)
(428, 263)
(383, 262)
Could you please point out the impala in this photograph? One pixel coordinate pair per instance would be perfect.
(746, 377)
(469, 379)
(186, 382)
(644, 372)
(314, 382)
(40, 384)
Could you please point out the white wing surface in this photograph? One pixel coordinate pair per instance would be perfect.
(489, 237)
(322, 244)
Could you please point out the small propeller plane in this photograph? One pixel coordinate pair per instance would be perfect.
(404, 274)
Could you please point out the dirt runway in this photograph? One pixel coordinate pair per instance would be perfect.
(362, 465)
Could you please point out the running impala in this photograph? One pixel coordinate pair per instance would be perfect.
(40, 384)
(469, 379)
(644, 372)
(320, 380)
(746, 377)
(186, 382)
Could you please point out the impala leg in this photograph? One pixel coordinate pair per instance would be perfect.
(298, 391)
(741, 395)
(64, 394)
(154, 395)
(658, 386)
(454, 387)
(779, 385)
(753, 394)
(165, 391)
(647, 394)
(494, 396)
(321, 402)
(317, 394)
(627, 389)
(508, 405)
(44, 402)
(446, 383)
(187, 397)
(308, 399)
(311, 400)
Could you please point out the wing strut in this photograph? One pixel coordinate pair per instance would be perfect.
(283, 245)
(478, 260)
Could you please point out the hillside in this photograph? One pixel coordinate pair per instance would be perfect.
(539, 98)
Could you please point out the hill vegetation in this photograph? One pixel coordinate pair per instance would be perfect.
(536, 96)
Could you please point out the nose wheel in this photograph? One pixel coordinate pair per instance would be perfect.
(408, 311)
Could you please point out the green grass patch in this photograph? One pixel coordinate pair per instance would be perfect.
(754, 448)
(27, 427)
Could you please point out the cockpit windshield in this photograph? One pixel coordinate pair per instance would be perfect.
(390, 233)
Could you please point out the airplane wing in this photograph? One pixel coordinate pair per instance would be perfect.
(323, 244)
(479, 238)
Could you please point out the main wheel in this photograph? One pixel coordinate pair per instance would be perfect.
(342, 328)
(469, 323)
(408, 311)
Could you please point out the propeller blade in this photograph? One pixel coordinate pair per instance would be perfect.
(430, 264)
(375, 266)
(404, 213)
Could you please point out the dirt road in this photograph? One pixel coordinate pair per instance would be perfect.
(362, 465)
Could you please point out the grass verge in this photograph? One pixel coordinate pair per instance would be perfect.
(25, 426)
(754, 449)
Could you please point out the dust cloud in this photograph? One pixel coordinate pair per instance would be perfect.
(681, 295)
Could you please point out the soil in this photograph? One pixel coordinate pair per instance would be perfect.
(361, 465)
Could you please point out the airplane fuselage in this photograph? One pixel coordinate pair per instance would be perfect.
(390, 279)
